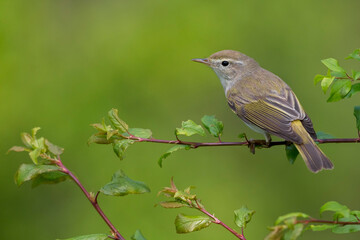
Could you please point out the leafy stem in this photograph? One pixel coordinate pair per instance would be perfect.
(344, 221)
(186, 224)
(257, 143)
(313, 220)
(218, 221)
(347, 77)
(47, 167)
(121, 136)
(341, 84)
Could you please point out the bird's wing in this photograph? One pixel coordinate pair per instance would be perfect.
(272, 113)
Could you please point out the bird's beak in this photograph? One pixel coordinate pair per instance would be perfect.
(201, 60)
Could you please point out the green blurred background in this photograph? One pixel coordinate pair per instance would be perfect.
(64, 64)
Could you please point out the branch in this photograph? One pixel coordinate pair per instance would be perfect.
(313, 220)
(257, 143)
(348, 77)
(218, 221)
(185, 198)
(91, 198)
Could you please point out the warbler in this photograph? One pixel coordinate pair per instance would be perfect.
(266, 104)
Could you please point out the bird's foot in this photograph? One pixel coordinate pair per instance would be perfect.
(268, 140)
(267, 144)
(252, 144)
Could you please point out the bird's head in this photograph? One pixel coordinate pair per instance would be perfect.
(229, 65)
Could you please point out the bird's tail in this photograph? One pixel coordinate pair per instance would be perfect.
(314, 158)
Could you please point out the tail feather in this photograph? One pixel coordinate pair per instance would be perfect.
(314, 158)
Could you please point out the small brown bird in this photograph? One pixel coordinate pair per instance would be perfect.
(266, 104)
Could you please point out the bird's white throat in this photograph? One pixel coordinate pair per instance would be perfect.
(226, 83)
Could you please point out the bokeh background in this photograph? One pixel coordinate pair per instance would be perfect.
(64, 64)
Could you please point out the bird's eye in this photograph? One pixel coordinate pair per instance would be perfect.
(224, 63)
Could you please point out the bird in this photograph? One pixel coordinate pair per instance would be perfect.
(266, 104)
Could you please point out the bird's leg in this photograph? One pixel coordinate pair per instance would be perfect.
(260, 143)
(251, 143)
(268, 140)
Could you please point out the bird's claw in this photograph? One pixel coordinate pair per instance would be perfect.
(252, 144)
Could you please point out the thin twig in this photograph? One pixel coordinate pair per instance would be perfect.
(92, 199)
(348, 77)
(257, 143)
(313, 220)
(218, 221)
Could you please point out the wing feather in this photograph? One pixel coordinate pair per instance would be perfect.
(272, 112)
(271, 119)
(307, 123)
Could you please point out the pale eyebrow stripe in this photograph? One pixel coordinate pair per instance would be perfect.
(229, 60)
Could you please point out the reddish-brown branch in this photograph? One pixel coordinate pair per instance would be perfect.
(92, 199)
(217, 221)
(313, 220)
(258, 143)
(348, 77)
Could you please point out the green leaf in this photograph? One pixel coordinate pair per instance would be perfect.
(333, 65)
(184, 196)
(116, 121)
(323, 135)
(355, 213)
(40, 143)
(34, 131)
(277, 232)
(242, 136)
(27, 139)
(111, 133)
(139, 132)
(186, 224)
(34, 154)
(138, 236)
(290, 215)
(214, 126)
(122, 185)
(318, 78)
(338, 74)
(339, 209)
(293, 234)
(171, 150)
(346, 228)
(172, 204)
(243, 216)
(321, 227)
(49, 178)
(56, 150)
(291, 153)
(120, 146)
(30, 171)
(18, 149)
(340, 88)
(101, 138)
(98, 126)
(89, 237)
(357, 116)
(355, 55)
(189, 128)
(326, 82)
(354, 89)
(102, 127)
(355, 75)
